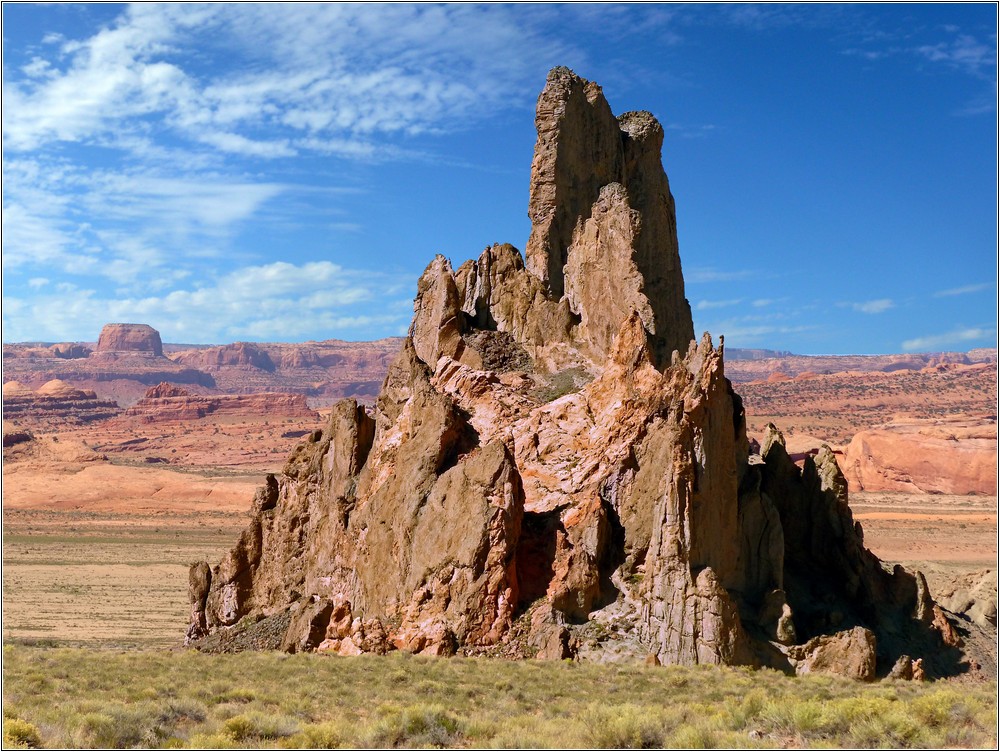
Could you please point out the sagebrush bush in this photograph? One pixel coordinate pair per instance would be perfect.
(415, 726)
(269, 700)
(20, 734)
(256, 726)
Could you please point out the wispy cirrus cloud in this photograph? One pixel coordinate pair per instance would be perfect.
(963, 51)
(954, 338)
(709, 274)
(964, 290)
(123, 225)
(323, 72)
(704, 305)
(972, 54)
(873, 306)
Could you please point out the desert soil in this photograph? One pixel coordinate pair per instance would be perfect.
(99, 529)
(97, 554)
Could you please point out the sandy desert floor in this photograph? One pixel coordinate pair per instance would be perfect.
(97, 553)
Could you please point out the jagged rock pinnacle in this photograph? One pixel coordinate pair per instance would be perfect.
(581, 150)
(552, 443)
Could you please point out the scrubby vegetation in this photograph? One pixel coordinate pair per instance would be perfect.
(90, 698)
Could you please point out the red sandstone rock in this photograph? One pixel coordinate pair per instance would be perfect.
(951, 456)
(70, 350)
(55, 403)
(236, 354)
(132, 338)
(163, 389)
(174, 407)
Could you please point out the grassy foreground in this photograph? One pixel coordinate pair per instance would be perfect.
(63, 697)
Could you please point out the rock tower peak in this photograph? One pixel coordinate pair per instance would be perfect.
(582, 149)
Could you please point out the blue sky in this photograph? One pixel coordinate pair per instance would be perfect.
(283, 173)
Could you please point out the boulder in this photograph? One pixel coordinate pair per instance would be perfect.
(850, 653)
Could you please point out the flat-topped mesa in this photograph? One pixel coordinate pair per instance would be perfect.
(130, 338)
(607, 249)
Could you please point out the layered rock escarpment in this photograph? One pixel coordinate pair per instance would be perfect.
(244, 354)
(951, 456)
(552, 449)
(168, 403)
(55, 403)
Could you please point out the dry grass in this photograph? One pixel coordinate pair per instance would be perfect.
(77, 578)
(87, 698)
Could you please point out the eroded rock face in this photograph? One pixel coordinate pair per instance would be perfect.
(55, 402)
(603, 216)
(166, 402)
(70, 350)
(956, 456)
(540, 460)
(130, 338)
(244, 354)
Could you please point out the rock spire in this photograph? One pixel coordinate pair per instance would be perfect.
(603, 224)
(554, 467)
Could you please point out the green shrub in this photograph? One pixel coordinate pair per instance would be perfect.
(624, 727)
(20, 734)
(938, 707)
(254, 726)
(693, 737)
(319, 736)
(416, 726)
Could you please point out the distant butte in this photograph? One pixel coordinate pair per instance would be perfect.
(129, 338)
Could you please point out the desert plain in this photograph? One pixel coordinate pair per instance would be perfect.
(101, 519)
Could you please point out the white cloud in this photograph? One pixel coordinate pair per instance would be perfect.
(117, 224)
(873, 306)
(964, 290)
(326, 72)
(279, 301)
(964, 52)
(738, 335)
(233, 143)
(950, 339)
(708, 274)
(704, 305)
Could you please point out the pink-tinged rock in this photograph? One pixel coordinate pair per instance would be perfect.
(954, 456)
(131, 338)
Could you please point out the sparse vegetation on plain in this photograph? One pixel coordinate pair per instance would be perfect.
(62, 697)
(834, 407)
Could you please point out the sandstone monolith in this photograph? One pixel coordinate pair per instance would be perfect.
(553, 450)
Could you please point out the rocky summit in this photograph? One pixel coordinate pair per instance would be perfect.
(555, 467)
